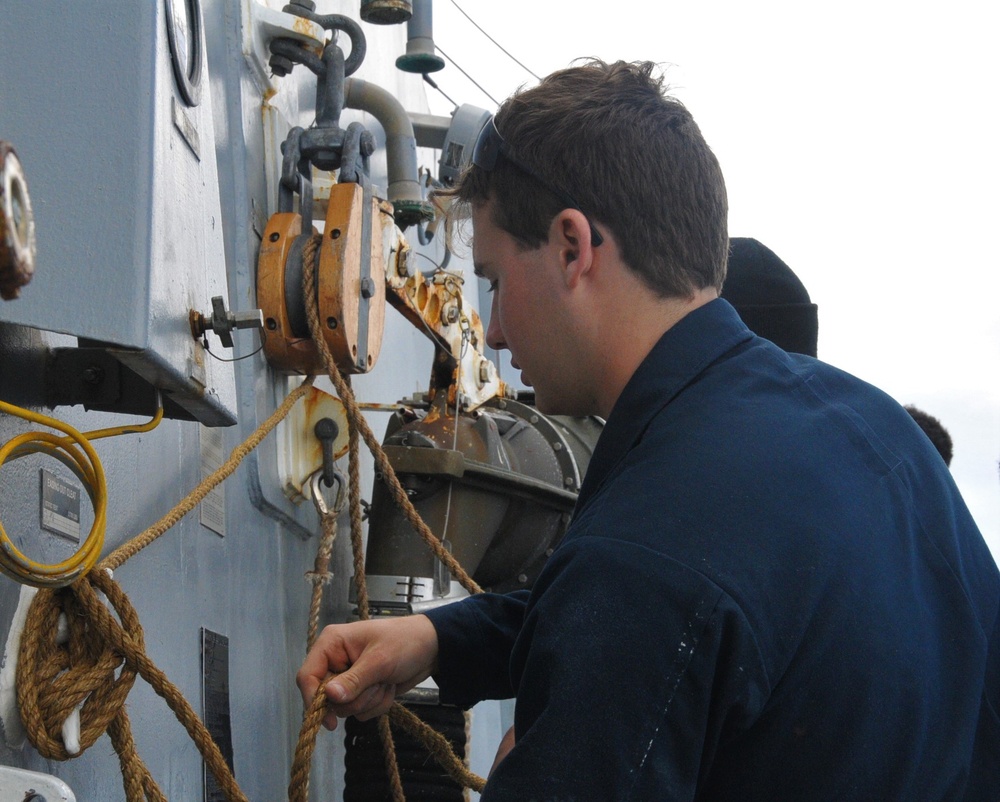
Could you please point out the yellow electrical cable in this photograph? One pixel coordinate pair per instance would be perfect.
(75, 452)
(131, 428)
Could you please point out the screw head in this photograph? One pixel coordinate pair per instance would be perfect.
(93, 375)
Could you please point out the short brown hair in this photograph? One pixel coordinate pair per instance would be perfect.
(629, 154)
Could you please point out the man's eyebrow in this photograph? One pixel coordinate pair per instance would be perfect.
(479, 269)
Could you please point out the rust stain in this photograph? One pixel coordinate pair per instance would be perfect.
(311, 402)
(375, 407)
(303, 26)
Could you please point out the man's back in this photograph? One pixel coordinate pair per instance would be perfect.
(771, 590)
(853, 604)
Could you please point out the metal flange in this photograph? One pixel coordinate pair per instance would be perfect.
(17, 226)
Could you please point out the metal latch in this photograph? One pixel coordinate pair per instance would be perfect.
(223, 322)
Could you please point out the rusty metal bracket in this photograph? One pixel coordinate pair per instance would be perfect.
(442, 462)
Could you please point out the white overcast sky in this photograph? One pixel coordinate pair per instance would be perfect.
(859, 142)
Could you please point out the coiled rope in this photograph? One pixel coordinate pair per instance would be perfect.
(53, 679)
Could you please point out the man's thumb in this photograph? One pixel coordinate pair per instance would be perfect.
(345, 687)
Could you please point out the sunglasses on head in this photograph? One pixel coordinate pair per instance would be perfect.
(491, 145)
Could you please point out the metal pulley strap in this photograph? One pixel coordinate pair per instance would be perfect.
(294, 53)
(291, 177)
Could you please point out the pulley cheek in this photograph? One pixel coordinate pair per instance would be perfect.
(350, 285)
(282, 348)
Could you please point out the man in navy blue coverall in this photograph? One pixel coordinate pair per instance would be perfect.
(771, 588)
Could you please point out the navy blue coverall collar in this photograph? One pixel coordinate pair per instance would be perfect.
(693, 343)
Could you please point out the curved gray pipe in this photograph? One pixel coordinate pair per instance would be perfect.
(400, 142)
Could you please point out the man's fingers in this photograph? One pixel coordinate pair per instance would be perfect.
(330, 721)
(371, 661)
(346, 687)
(308, 685)
(370, 703)
(325, 655)
(365, 703)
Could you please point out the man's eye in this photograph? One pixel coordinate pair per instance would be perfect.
(493, 285)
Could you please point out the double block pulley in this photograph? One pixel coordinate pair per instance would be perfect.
(350, 261)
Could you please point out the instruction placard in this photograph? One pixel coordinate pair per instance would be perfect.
(60, 512)
(215, 703)
(213, 506)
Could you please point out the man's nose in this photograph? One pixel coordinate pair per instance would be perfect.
(494, 334)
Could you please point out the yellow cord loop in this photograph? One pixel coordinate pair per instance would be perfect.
(76, 453)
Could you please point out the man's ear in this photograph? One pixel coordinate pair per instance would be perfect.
(571, 233)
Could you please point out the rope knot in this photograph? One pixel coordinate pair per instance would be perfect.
(66, 663)
(319, 577)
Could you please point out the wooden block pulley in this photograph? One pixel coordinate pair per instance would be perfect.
(350, 281)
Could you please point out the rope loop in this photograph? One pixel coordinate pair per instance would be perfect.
(64, 668)
(77, 658)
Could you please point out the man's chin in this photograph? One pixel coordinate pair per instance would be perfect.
(545, 405)
(569, 407)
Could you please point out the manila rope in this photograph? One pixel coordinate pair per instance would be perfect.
(437, 745)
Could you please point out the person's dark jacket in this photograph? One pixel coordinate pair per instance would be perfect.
(771, 589)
